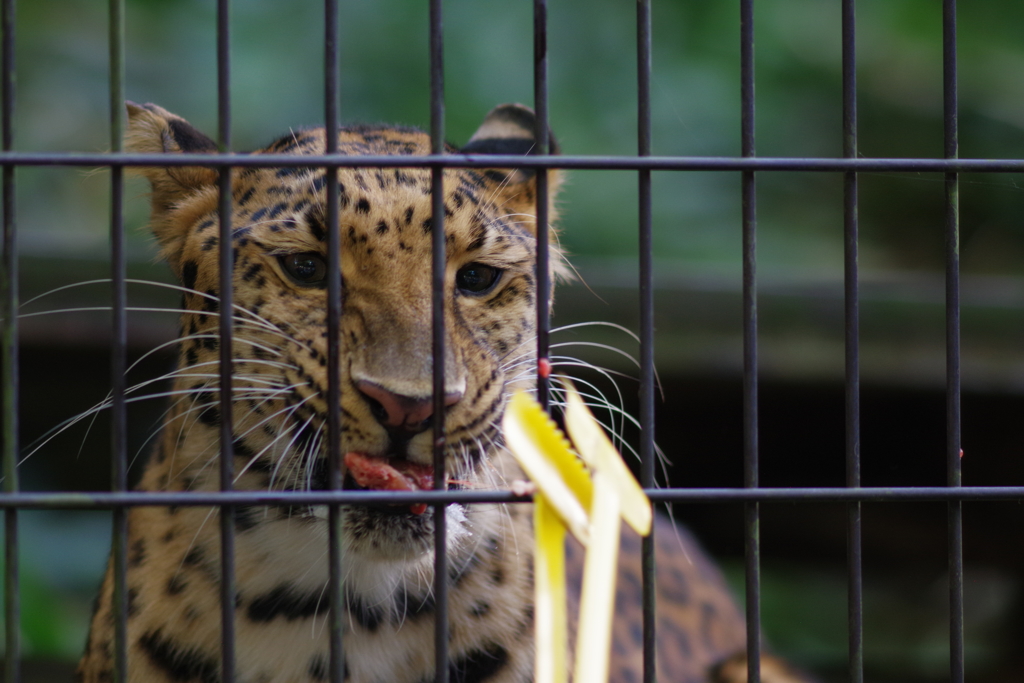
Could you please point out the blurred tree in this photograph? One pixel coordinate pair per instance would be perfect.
(277, 81)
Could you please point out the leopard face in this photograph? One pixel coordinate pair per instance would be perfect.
(280, 314)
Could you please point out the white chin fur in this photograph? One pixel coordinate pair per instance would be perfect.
(382, 573)
(458, 525)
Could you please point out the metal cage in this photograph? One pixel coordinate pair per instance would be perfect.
(747, 166)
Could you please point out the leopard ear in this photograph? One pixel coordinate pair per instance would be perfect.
(511, 129)
(154, 130)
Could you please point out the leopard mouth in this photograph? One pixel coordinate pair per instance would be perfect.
(366, 472)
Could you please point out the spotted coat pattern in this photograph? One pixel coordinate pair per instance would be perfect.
(278, 393)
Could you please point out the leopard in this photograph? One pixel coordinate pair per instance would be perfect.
(279, 418)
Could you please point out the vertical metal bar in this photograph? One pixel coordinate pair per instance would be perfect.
(226, 254)
(119, 344)
(438, 263)
(750, 429)
(541, 146)
(855, 595)
(953, 453)
(643, 63)
(12, 604)
(335, 592)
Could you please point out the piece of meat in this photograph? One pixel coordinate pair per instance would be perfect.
(395, 474)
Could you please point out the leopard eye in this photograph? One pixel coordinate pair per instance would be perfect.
(307, 269)
(477, 278)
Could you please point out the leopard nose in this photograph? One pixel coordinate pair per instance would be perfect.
(394, 410)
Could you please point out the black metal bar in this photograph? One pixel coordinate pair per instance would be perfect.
(752, 520)
(541, 148)
(438, 265)
(12, 597)
(851, 229)
(596, 163)
(334, 519)
(98, 500)
(953, 452)
(226, 265)
(118, 345)
(647, 378)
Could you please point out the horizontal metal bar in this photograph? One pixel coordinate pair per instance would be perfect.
(826, 495)
(654, 163)
(105, 499)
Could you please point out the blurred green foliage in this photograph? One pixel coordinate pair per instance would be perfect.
(277, 84)
(61, 557)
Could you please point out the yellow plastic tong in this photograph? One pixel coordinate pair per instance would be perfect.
(589, 491)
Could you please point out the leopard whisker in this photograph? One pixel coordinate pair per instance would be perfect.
(173, 342)
(63, 426)
(141, 359)
(207, 458)
(195, 537)
(311, 457)
(291, 443)
(498, 481)
(153, 283)
(316, 609)
(216, 363)
(492, 476)
(573, 362)
(242, 322)
(519, 361)
(601, 398)
(264, 395)
(606, 347)
(596, 323)
(158, 427)
(276, 438)
(598, 345)
(182, 431)
(73, 285)
(238, 395)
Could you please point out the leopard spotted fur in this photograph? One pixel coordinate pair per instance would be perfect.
(279, 419)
